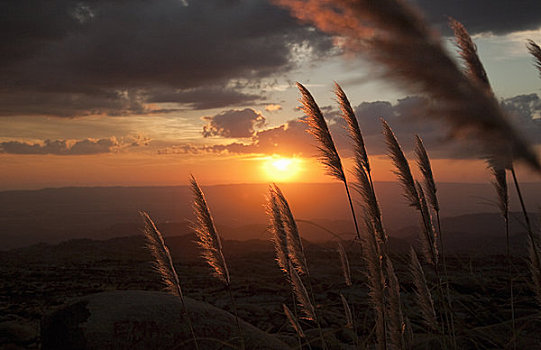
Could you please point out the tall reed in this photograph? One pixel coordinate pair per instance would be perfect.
(279, 235)
(376, 281)
(328, 154)
(305, 302)
(423, 161)
(293, 237)
(210, 242)
(498, 161)
(290, 252)
(422, 293)
(384, 285)
(414, 194)
(165, 267)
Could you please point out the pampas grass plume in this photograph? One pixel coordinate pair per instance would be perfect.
(209, 239)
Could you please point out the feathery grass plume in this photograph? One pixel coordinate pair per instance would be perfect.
(475, 72)
(347, 312)
(376, 281)
(211, 244)
(329, 156)
(364, 187)
(394, 310)
(428, 238)
(162, 258)
(422, 293)
(206, 232)
(393, 34)
(302, 295)
(319, 129)
(164, 265)
(535, 51)
(353, 127)
(279, 236)
(423, 161)
(293, 320)
(294, 241)
(304, 300)
(345, 264)
(468, 52)
(499, 158)
(401, 163)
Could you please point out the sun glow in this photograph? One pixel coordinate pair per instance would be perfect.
(282, 169)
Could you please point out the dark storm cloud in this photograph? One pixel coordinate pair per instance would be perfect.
(496, 16)
(99, 50)
(233, 123)
(408, 117)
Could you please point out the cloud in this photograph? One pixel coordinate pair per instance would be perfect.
(290, 138)
(203, 97)
(496, 16)
(73, 58)
(73, 147)
(233, 123)
(408, 117)
(273, 107)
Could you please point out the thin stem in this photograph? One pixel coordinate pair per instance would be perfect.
(445, 324)
(451, 315)
(188, 318)
(354, 326)
(323, 344)
(383, 251)
(352, 212)
(509, 262)
(526, 217)
(521, 199)
(296, 316)
(234, 304)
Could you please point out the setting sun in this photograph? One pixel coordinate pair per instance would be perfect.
(282, 169)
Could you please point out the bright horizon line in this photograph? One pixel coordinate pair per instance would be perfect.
(229, 184)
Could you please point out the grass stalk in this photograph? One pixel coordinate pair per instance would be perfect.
(210, 242)
(165, 267)
(328, 154)
(423, 161)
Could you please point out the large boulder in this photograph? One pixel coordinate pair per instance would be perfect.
(146, 320)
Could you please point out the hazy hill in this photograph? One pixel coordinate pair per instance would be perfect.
(53, 215)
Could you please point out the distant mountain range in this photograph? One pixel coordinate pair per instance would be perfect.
(55, 215)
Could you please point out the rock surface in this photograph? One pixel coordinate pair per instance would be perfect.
(146, 320)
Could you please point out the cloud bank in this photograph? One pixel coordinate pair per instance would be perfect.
(406, 117)
(72, 58)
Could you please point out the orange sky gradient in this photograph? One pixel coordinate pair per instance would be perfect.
(38, 171)
(126, 109)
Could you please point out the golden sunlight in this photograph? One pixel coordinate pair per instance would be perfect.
(282, 169)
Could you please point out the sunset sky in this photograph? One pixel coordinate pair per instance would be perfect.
(102, 92)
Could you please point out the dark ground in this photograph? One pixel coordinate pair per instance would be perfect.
(38, 279)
